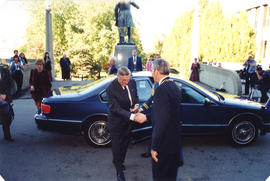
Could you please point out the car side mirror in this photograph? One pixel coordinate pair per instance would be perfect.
(207, 102)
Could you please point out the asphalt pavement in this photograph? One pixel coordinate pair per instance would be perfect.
(38, 155)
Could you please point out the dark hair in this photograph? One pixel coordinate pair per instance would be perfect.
(15, 56)
(45, 56)
(21, 54)
(15, 51)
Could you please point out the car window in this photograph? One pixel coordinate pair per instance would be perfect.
(189, 95)
(144, 90)
(103, 96)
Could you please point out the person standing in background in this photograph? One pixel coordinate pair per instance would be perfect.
(16, 52)
(23, 58)
(40, 84)
(250, 66)
(16, 67)
(135, 62)
(194, 76)
(112, 69)
(65, 67)
(148, 65)
(48, 64)
(6, 110)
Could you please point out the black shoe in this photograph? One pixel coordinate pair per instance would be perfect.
(123, 167)
(120, 176)
(9, 139)
(145, 155)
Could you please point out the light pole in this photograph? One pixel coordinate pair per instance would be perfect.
(49, 40)
(195, 34)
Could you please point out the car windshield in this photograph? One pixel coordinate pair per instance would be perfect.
(213, 94)
(96, 84)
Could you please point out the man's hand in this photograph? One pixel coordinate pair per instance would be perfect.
(135, 109)
(140, 118)
(154, 155)
(3, 97)
(32, 88)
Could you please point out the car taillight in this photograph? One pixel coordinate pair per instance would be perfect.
(45, 108)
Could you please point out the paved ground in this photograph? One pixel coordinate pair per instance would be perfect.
(48, 156)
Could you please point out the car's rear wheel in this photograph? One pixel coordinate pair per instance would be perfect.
(243, 131)
(97, 132)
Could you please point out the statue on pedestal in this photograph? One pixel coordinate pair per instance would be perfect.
(124, 19)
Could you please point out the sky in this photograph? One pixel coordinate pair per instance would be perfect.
(154, 18)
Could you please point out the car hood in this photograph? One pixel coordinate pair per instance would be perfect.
(243, 103)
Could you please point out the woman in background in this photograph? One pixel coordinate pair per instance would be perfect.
(48, 64)
(195, 71)
(40, 84)
(16, 68)
(148, 65)
(23, 58)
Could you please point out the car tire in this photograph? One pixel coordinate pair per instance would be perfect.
(243, 131)
(97, 133)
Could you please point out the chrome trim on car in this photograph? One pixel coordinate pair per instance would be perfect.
(141, 129)
(60, 120)
(244, 114)
(204, 125)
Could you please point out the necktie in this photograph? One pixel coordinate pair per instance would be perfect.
(129, 95)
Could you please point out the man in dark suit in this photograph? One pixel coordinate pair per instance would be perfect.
(122, 105)
(166, 134)
(135, 62)
(6, 111)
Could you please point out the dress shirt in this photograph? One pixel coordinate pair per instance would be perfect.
(160, 82)
(130, 99)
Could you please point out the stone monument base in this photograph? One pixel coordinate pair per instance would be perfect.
(122, 53)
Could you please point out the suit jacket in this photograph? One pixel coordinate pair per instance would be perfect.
(119, 104)
(113, 70)
(166, 134)
(138, 64)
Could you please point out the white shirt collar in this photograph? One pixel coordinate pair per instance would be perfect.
(162, 79)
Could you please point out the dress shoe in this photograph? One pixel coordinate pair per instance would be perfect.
(9, 139)
(145, 155)
(123, 167)
(120, 176)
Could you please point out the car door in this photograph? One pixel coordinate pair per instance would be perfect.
(144, 91)
(200, 114)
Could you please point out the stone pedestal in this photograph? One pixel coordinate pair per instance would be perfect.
(122, 53)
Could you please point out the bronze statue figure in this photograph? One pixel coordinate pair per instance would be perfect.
(124, 19)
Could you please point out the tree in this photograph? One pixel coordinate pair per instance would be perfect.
(84, 29)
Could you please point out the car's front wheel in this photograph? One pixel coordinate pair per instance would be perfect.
(97, 132)
(243, 131)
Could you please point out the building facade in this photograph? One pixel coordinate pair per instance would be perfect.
(259, 19)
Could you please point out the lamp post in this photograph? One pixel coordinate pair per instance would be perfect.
(195, 34)
(49, 42)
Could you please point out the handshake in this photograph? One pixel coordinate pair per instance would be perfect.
(139, 117)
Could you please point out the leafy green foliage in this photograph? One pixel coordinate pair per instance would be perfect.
(84, 29)
(222, 38)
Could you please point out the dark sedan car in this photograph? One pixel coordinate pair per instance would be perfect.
(203, 112)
